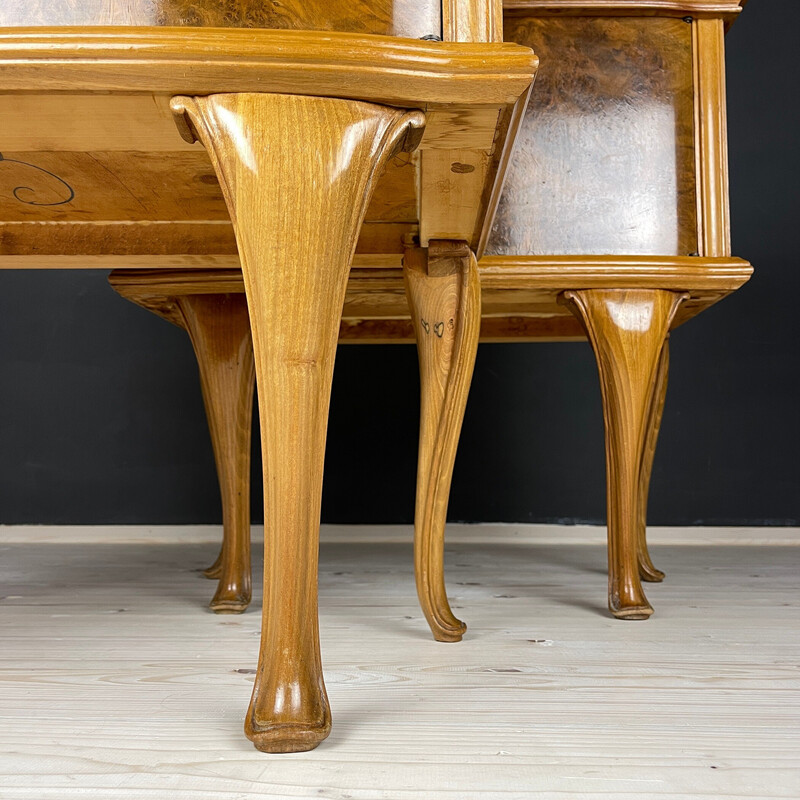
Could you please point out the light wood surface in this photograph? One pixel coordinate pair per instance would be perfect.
(627, 330)
(116, 687)
(116, 157)
(711, 138)
(219, 328)
(519, 295)
(165, 61)
(295, 268)
(444, 297)
(472, 20)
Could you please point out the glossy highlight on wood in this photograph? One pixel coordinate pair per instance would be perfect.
(445, 302)
(647, 570)
(295, 270)
(219, 328)
(627, 330)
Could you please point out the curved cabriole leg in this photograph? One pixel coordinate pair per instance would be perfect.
(627, 330)
(297, 174)
(445, 301)
(219, 328)
(647, 571)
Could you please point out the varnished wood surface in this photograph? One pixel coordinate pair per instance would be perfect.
(726, 9)
(119, 158)
(295, 268)
(712, 136)
(472, 20)
(609, 139)
(403, 72)
(412, 18)
(219, 328)
(647, 570)
(519, 296)
(627, 330)
(444, 298)
(115, 687)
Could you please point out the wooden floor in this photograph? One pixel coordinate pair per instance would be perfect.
(115, 682)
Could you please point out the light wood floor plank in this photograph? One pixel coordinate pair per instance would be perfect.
(117, 684)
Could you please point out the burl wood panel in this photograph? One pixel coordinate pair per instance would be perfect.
(408, 18)
(605, 162)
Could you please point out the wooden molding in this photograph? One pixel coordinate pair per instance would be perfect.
(202, 61)
(520, 294)
(727, 9)
(711, 138)
(677, 273)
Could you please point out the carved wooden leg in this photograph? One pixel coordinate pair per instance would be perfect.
(648, 572)
(445, 302)
(219, 328)
(627, 330)
(297, 174)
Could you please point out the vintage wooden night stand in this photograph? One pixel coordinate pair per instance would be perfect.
(319, 136)
(277, 138)
(614, 209)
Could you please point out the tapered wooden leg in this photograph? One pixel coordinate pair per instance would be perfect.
(627, 330)
(445, 302)
(647, 571)
(297, 174)
(219, 328)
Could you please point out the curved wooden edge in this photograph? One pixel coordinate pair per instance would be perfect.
(608, 272)
(520, 293)
(201, 61)
(725, 9)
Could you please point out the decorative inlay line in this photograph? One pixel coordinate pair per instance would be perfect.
(19, 189)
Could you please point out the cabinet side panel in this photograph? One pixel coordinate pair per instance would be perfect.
(605, 160)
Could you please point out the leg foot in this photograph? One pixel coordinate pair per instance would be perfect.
(627, 330)
(219, 328)
(297, 174)
(444, 297)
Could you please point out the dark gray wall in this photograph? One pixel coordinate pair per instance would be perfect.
(101, 418)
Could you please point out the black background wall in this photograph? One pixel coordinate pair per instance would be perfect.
(101, 419)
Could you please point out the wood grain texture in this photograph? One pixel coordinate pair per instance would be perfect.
(472, 20)
(627, 331)
(413, 18)
(459, 185)
(402, 72)
(647, 570)
(609, 139)
(114, 687)
(296, 245)
(179, 187)
(445, 302)
(519, 296)
(712, 138)
(219, 328)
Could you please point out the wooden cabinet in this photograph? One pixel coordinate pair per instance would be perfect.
(204, 149)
